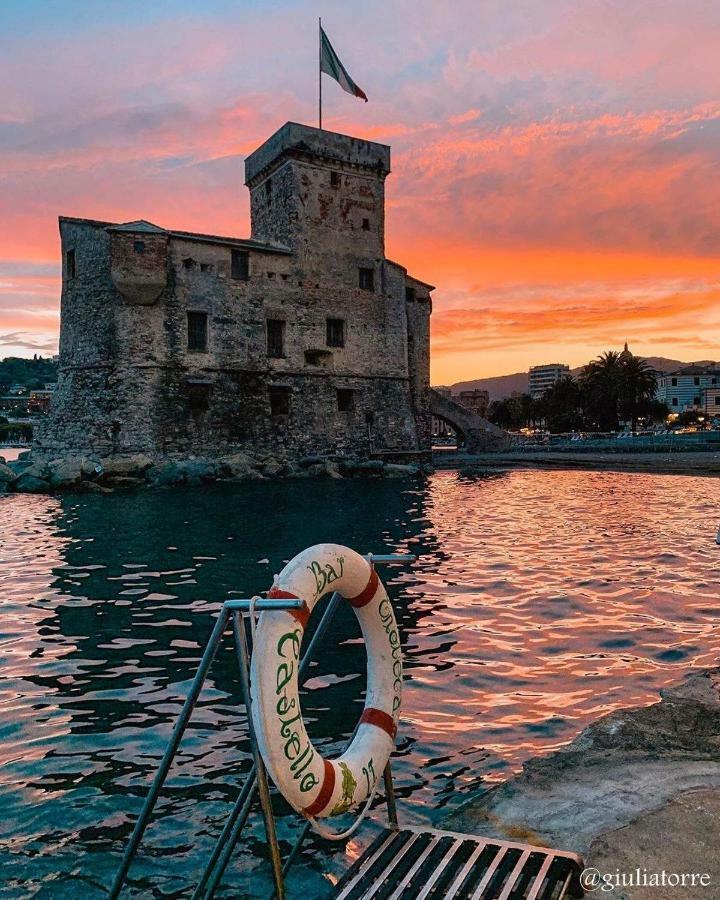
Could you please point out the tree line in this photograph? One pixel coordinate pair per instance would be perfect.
(32, 373)
(614, 388)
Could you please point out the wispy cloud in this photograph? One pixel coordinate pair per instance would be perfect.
(20, 340)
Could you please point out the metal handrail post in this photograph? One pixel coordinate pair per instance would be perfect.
(224, 848)
(230, 834)
(262, 782)
(231, 831)
(390, 796)
(170, 751)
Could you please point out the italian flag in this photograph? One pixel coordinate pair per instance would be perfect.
(331, 65)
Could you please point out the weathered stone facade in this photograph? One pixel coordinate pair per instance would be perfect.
(302, 339)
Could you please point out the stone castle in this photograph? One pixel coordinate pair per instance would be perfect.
(302, 339)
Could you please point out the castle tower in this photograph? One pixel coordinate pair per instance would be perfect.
(320, 193)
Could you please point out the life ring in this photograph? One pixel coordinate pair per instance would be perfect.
(314, 786)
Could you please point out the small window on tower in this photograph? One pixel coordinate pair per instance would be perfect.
(366, 224)
(335, 333)
(276, 338)
(367, 279)
(197, 331)
(345, 400)
(335, 179)
(70, 264)
(139, 246)
(279, 401)
(410, 294)
(268, 189)
(240, 265)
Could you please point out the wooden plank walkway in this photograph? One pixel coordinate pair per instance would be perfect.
(425, 864)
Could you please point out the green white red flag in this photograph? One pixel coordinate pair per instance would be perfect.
(331, 65)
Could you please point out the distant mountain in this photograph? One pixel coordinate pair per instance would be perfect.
(501, 386)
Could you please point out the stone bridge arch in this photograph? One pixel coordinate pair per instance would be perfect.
(477, 433)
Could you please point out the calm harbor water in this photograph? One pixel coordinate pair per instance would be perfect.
(540, 601)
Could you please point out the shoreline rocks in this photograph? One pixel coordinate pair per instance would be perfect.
(617, 771)
(35, 472)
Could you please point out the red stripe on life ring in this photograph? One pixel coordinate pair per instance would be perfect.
(302, 615)
(379, 719)
(326, 792)
(367, 594)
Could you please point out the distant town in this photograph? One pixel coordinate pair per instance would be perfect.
(614, 393)
(26, 389)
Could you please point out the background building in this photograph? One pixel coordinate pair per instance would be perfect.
(540, 378)
(683, 389)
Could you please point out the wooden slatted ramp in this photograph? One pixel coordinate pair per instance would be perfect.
(425, 864)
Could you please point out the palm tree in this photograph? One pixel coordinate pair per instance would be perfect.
(614, 386)
(637, 386)
(600, 382)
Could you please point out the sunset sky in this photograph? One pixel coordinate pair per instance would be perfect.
(556, 165)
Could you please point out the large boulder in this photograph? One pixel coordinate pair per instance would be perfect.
(37, 469)
(369, 467)
(29, 484)
(395, 470)
(72, 470)
(132, 466)
(7, 476)
(237, 466)
(274, 468)
(197, 470)
(166, 472)
(123, 482)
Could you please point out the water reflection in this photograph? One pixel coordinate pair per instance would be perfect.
(540, 601)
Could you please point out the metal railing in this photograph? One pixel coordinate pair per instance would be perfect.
(257, 777)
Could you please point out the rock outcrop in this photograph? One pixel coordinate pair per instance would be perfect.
(32, 472)
(621, 767)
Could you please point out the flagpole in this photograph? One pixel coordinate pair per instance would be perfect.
(319, 73)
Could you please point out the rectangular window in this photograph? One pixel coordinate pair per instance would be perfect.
(70, 264)
(345, 400)
(696, 401)
(268, 189)
(367, 279)
(674, 401)
(139, 246)
(335, 333)
(276, 338)
(197, 332)
(717, 401)
(673, 382)
(335, 179)
(279, 401)
(410, 294)
(241, 265)
(696, 381)
(366, 224)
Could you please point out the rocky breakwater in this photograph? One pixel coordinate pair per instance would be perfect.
(34, 473)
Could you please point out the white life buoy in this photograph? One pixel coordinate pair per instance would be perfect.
(312, 785)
